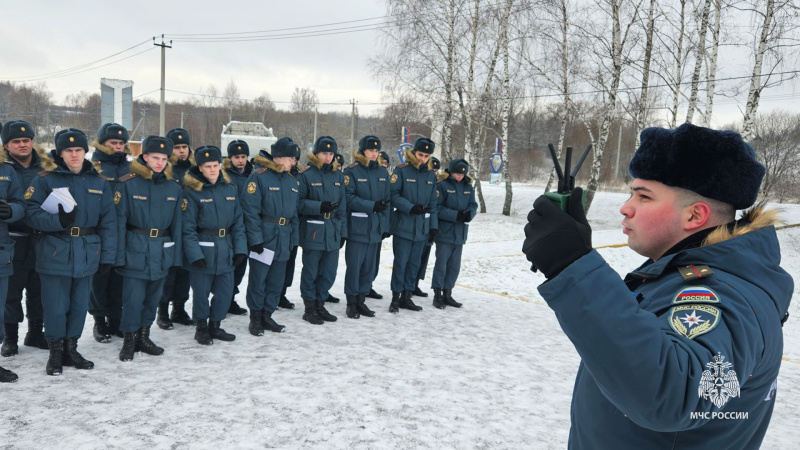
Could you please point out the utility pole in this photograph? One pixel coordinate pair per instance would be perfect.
(352, 129)
(162, 118)
(316, 111)
(181, 119)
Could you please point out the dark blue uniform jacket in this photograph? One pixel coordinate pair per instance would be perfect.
(181, 166)
(454, 197)
(109, 163)
(24, 252)
(318, 183)
(664, 363)
(207, 206)
(413, 183)
(59, 253)
(238, 178)
(366, 182)
(11, 191)
(151, 201)
(272, 192)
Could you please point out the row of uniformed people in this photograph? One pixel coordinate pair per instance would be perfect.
(320, 195)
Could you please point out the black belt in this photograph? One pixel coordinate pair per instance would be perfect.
(278, 220)
(24, 229)
(77, 231)
(152, 232)
(326, 216)
(219, 232)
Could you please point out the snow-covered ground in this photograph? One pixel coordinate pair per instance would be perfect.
(497, 373)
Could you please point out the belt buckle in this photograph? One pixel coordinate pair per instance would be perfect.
(153, 232)
(221, 232)
(75, 231)
(327, 215)
(282, 221)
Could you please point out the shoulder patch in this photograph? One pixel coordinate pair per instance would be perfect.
(694, 272)
(393, 179)
(691, 321)
(29, 192)
(251, 187)
(126, 177)
(261, 170)
(117, 197)
(184, 204)
(103, 177)
(346, 180)
(695, 294)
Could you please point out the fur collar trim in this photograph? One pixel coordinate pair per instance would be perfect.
(267, 164)
(316, 162)
(412, 160)
(752, 219)
(108, 150)
(191, 181)
(173, 159)
(147, 173)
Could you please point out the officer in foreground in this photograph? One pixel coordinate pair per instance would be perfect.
(436, 165)
(12, 209)
(148, 241)
(685, 350)
(383, 160)
(456, 208)
(25, 157)
(239, 169)
(73, 245)
(110, 159)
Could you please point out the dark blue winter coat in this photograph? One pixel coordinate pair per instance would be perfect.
(11, 192)
(454, 197)
(413, 183)
(366, 182)
(209, 206)
(57, 253)
(650, 356)
(181, 166)
(151, 201)
(24, 251)
(109, 163)
(238, 178)
(273, 192)
(321, 182)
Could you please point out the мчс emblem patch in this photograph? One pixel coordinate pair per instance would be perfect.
(695, 294)
(719, 382)
(184, 204)
(29, 192)
(393, 179)
(251, 187)
(117, 197)
(346, 180)
(693, 320)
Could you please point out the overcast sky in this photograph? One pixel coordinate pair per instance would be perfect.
(42, 37)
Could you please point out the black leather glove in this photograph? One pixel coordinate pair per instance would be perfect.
(554, 239)
(103, 268)
(432, 235)
(66, 218)
(200, 263)
(258, 248)
(418, 210)
(468, 215)
(238, 258)
(463, 216)
(380, 206)
(327, 206)
(341, 244)
(5, 210)
(386, 235)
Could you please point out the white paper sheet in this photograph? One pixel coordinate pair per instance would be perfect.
(359, 214)
(206, 244)
(263, 257)
(168, 244)
(59, 196)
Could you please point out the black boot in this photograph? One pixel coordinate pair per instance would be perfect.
(448, 299)
(362, 307)
(373, 294)
(7, 376)
(236, 310)
(324, 314)
(101, 331)
(285, 303)
(35, 335)
(179, 314)
(352, 308)
(269, 324)
(255, 327)
(74, 359)
(56, 354)
(418, 292)
(216, 332)
(201, 333)
(128, 347)
(113, 327)
(394, 307)
(162, 317)
(407, 303)
(332, 299)
(145, 345)
(438, 299)
(10, 347)
(310, 314)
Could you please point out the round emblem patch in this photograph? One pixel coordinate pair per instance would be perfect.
(346, 180)
(251, 187)
(184, 204)
(393, 179)
(117, 197)
(693, 320)
(29, 192)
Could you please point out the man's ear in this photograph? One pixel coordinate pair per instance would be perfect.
(696, 216)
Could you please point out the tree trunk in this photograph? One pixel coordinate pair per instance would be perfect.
(712, 64)
(504, 42)
(648, 54)
(698, 64)
(754, 95)
(564, 89)
(676, 89)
